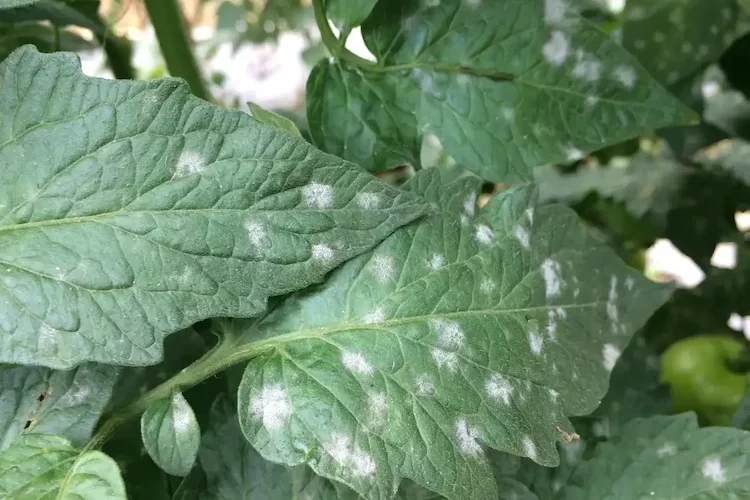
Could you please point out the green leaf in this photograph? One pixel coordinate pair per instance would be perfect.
(505, 86)
(43, 401)
(171, 434)
(732, 156)
(57, 13)
(271, 118)
(741, 417)
(665, 457)
(40, 466)
(457, 330)
(130, 210)
(348, 14)
(675, 38)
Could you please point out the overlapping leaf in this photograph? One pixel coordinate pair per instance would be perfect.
(130, 210)
(40, 466)
(347, 14)
(506, 86)
(171, 434)
(458, 330)
(675, 38)
(43, 401)
(665, 457)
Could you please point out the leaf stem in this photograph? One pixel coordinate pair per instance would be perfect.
(335, 45)
(175, 43)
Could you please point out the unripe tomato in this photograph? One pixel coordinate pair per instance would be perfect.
(697, 370)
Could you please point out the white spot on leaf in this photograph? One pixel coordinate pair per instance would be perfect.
(341, 449)
(555, 51)
(484, 234)
(555, 11)
(425, 385)
(611, 354)
(486, 286)
(522, 235)
(183, 417)
(467, 438)
(272, 406)
(437, 261)
(189, 162)
(667, 450)
(529, 448)
(626, 76)
(383, 268)
(536, 342)
(499, 388)
(322, 253)
(378, 406)
(587, 67)
(318, 195)
(612, 311)
(376, 316)
(573, 154)
(356, 363)
(712, 469)
(368, 201)
(552, 281)
(445, 359)
(470, 204)
(450, 333)
(256, 233)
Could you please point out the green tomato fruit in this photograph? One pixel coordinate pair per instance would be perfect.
(697, 370)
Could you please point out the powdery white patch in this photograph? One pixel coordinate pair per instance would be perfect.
(47, 337)
(499, 388)
(355, 362)
(626, 76)
(341, 449)
(378, 407)
(486, 286)
(436, 262)
(629, 283)
(556, 50)
(667, 450)
(508, 113)
(573, 154)
(467, 438)
(189, 162)
(573, 451)
(587, 67)
(484, 234)
(536, 342)
(552, 281)
(318, 195)
(256, 233)
(592, 100)
(470, 204)
(612, 311)
(425, 385)
(553, 394)
(368, 201)
(183, 417)
(77, 395)
(272, 406)
(383, 268)
(551, 324)
(712, 469)
(523, 237)
(450, 333)
(600, 428)
(322, 253)
(555, 11)
(376, 316)
(529, 448)
(611, 354)
(445, 359)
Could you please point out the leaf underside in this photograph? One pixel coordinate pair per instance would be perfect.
(459, 330)
(505, 86)
(130, 210)
(171, 434)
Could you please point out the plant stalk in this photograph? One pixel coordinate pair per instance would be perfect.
(175, 44)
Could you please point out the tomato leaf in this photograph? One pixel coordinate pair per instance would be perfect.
(43, 401)
(171, 434)
(348, 14)
(675, 38)
(460, 330)
(505, 86)
(130, 210)
(8, 4)
(43, 466)
(664, 457)
(271, 118)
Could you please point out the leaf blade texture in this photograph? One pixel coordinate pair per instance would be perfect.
(505, 86)
(42, 466)
(43, 401)
(461, 330)
(171, 434)
(130, 210)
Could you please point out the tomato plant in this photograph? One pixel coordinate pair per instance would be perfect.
(434, 289)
